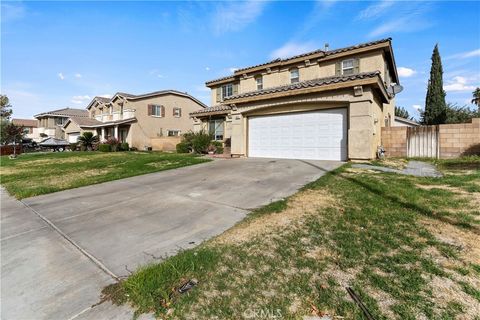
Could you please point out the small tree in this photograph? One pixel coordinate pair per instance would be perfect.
(459, 114)
(402, 113)
(88, 140)
(435, 106)
(476, 98)
(5, 108)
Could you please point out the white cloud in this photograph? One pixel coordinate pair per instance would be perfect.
(207, 68)
(61, 76)
(405, 72)
(234, 16)
(375, 10)
(408, 18)
(78, 75)
(160, 76)
(13, 11)
(459, 83)
(232, 69)
(291, 49)
(465, 55)
(417, 107)
(106, 95)
(80, 99)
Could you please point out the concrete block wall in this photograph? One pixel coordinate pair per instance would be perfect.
(394, 141)
(455, 140)
(459, 139)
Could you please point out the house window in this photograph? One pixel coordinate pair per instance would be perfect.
(177, 112)
(347, 67)
(227, 90)
(156, 111)
(259, 81)
(173, 133)
(215, 129)
(294, 76)
(60, 121)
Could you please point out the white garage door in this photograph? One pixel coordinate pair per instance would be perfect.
(73, 137)
(318, 135)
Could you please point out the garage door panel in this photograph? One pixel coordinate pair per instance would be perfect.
(313, 135)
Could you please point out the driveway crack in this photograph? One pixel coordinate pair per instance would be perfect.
(97, 262)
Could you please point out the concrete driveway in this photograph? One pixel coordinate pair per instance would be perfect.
(59, 250)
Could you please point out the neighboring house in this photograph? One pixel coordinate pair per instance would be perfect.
(402, 122)
(140, 120)
(325, 104)
(28, 126)
(50, 123)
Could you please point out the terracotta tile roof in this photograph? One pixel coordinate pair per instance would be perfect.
(25, 122)
(306, 84)
(223, 78)
(102, 99)
(85, 121)
(218, 108)
(321, 52)
(65, 112)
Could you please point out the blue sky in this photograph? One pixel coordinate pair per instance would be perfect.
(59, 54)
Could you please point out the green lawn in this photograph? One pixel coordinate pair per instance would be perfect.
(408, 246)
(40, 173)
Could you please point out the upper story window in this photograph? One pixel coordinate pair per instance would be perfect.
(227, 91)
(348, 67)
(259, 81)
(60, 121)
(177, 112)
(156, 110)
(294, 76)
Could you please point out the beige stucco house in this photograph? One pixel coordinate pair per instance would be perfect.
(143, 121)
(325, 104)
(50, 123)
(28, 126)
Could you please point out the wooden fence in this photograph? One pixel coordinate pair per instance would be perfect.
(422, 141)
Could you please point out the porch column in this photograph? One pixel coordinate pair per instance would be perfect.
(103, 134)
(115, 132)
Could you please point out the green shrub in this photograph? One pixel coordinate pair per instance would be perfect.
(124, 146)
(104, 147)
(73, 146)
(218, 147)
(200, 142)
(183, 147)
(196, 141)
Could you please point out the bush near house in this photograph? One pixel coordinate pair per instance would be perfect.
(124, 146)
(114, 144)
(198, 142)
(183, 147)
(218, 147)
(104, 147)
(73, 146)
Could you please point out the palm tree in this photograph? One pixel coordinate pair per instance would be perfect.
(88, 140)
(476, 97)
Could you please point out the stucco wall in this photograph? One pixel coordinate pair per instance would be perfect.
(165, 143)
(370, 61)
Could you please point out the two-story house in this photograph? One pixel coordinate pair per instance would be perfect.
(50, 123)
(136, 119)
(325, 104)
(28, 126)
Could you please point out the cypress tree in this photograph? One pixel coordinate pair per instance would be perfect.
(435, 105)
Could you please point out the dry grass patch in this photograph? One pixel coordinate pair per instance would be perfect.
(466, 241)
(300, 205)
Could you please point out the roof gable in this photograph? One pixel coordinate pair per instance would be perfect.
(316, 54)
